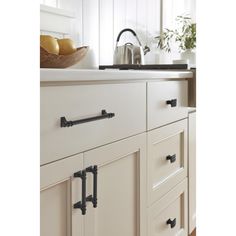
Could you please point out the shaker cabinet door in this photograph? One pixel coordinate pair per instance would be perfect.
(59, 191)
(167, 158)
(121, 189)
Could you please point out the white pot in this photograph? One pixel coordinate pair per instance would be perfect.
(189, 56)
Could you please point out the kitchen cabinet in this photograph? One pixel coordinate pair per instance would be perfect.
(128, 175)
(121, 195)
(59, 190)
(192, 171)
(121, 189)
(167, 158)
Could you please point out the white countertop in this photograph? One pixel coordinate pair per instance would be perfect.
(80, 75)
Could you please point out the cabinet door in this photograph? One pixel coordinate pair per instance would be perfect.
(59, 191)
(121, 189)
(192, 171)
(167, 158)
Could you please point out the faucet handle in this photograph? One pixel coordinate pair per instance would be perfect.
(146, 50)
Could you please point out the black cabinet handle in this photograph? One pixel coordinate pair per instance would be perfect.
(104, 115)
(172, 223)
(81, 204)
(93, 198)
(172, 102)
(172, 158)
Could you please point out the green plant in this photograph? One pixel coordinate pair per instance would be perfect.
(184, 35)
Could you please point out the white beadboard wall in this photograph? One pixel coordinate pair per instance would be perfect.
(96, 23)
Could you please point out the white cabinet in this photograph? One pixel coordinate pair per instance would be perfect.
(120, 192)
(121, 189)
(167, 102)
(192, 171)
(167, 158)
(126, 175)
(79, 102)
(59, 191)
(169, 216)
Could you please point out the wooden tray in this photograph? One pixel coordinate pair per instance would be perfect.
(49, 60)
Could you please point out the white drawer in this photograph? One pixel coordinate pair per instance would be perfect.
(126, 101)
(167, 158)
(161, 93)
(168, 217)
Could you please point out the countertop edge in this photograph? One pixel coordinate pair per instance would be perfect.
(49, 76)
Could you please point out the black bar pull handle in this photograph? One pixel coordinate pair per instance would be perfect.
(171, 158)
(172, 223)
(172, 102)
(81, 204)
(93, 198)
(104, 115)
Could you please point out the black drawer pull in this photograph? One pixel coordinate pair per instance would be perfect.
(104, 115)
(172, 102)
(81, 204)
(172, 158)
(172, 223)
(93, 198)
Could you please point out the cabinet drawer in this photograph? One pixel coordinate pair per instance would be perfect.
(167, 158)
(162, 93)
(126, 101)
(168, 216)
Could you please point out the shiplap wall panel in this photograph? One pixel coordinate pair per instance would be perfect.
(91, 29)
(141, 20)
(98, 23)
(119, 18)
(131, 14)
(106, 32)
(153, 28)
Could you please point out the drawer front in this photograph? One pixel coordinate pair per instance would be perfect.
(168, 216)
(159, 95)
(167, 158)
(126, 101)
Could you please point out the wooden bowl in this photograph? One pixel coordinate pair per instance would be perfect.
(49, 60)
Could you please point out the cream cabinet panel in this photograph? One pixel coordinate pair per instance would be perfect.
(121, 189)
(169, 216)
(126, 101)
(167, 102)
(59, 191)
(192, 171)
(167, 158)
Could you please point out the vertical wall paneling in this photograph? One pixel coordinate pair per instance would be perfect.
(97, 23)
(141, 24)
(153, 29)
(119, 18)
(91, 24)
(106, 32)
(76, 5)
(131, 19)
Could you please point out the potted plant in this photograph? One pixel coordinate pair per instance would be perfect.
(184, 36)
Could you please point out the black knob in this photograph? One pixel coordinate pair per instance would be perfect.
(172, 223)
(172, 102)
(172, 158)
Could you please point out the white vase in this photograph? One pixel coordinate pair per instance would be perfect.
(189, 56)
